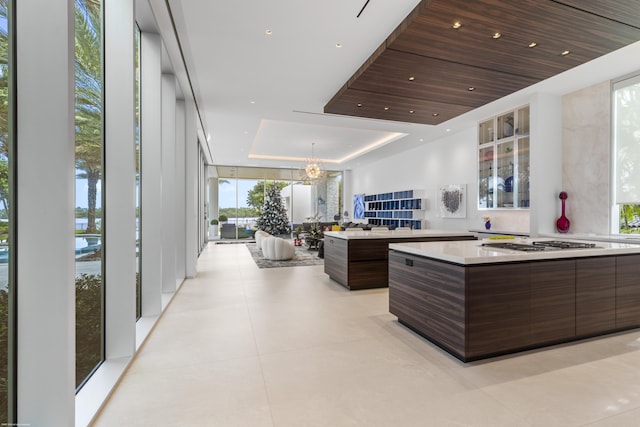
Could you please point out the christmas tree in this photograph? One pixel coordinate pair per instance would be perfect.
(273, 217)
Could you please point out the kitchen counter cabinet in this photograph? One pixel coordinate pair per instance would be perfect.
(482, 310)
(553, 301)
(497, 308)
(360, 259)
(435, 304)
(627, 291)
(595, 295)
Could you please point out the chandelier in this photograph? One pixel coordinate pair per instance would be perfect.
(313, 170)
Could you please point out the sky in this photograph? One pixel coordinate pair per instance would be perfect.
(227, 193)
(82, 193)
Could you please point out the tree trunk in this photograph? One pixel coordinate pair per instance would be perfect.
(92, 183)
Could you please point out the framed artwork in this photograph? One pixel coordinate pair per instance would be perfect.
(358, 206)
(452, 201)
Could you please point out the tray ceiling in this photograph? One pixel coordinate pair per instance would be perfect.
(428, 71)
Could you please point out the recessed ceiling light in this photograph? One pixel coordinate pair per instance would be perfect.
(386, 108)
(338, 45)
(471, 88)
(359, 105)
(435, 114)
(268, 32)
(448, 130)
(421, 139)
(252, 102)
(456, 25)
(412, 78)
(566, 52)
(496, 36)
(411, 111)
(533, 44)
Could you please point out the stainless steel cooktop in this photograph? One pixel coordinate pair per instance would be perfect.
(545, 245)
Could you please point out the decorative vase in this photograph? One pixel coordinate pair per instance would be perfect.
(563, 223)
(487, 225)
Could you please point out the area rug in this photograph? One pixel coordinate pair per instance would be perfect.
(303, 257)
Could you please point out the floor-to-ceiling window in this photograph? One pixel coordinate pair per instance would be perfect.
(241, 194)
(89, 168)
(7, 285)
(626, 127)
(138, 177)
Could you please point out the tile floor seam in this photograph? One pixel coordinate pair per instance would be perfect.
(255, 343)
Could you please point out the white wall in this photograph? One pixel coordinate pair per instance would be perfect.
(450, 160)
(587, 154)
(298, 198)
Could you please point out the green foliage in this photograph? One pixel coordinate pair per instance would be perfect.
(629, 219)
(88, 324)
(4, 350)
(255, 196)
(214, 222)
(223, 218)
(239, 212)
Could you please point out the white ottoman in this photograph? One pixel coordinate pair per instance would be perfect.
(260, 236)
(277, 249)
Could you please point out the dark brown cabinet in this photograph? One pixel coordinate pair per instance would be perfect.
(364, 263)
(434, 304)
(627, 291)
(497, 308)
(553, 301)
(478, 311)
(595, 295)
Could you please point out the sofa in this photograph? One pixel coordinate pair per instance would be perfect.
(277, 249)
(228, 231)
(260, 236)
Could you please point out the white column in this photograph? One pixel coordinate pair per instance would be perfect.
(120, 179)
(45, 206)
(191, 189)
(545, 162)
(168, 182)
(213, 198)
(151, 180)
(180, 201)
(347, 194)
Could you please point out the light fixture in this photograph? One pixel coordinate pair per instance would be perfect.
(435, 114)
(386, 108)
(268, 32)
(471, 88)
(533, 44)
(411, 111)
(338, 45)
(359, 105)
(313, 170)
(496, 36)
(411, 78)
(456, 25)
(566, 52)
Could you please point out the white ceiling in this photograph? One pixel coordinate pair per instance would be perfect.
(261, 97)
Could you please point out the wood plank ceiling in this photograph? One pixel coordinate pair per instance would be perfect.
(428, 72)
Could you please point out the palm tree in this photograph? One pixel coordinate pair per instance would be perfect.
(88, 79)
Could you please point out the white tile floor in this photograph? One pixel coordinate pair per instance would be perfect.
(242, 346)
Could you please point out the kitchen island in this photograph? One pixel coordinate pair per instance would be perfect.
(359, 259)
(479, 301)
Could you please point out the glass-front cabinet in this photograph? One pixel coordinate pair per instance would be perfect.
(503, 160)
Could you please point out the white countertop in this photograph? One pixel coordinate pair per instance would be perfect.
(396, 234)
(472, 252)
